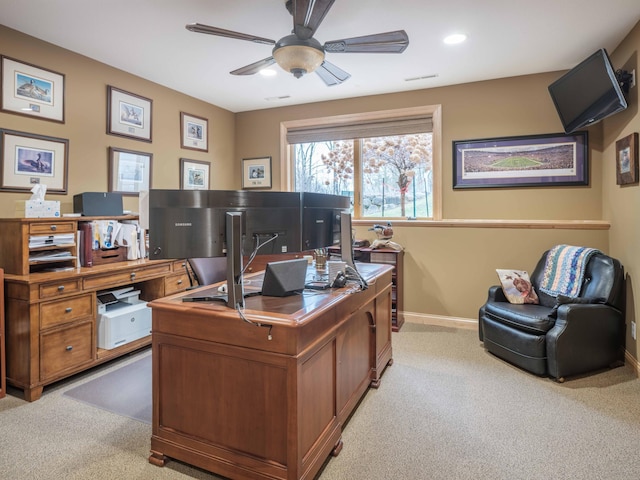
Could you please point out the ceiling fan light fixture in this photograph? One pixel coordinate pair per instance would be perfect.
(298, 56)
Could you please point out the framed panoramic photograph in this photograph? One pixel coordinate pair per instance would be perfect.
(529, 161)
(28, 159)
(194, 132)
(194, 174)
(128, 114)
(129, 171)
(627, 160)
(31, 91)
(256, 172)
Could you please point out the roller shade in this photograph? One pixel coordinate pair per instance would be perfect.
(364, 129)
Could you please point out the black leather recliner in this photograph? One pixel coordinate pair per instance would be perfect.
(561, 336)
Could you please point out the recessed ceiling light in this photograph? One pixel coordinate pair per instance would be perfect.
(268, 72)
(455, 38)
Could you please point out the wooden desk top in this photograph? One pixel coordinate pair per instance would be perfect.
(293, 322)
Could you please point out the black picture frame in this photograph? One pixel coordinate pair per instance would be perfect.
(556, 159)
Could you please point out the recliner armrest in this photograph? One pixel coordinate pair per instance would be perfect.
(584, 337)
(496, 294)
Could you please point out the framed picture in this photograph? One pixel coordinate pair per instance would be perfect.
(129, 171)
(529, 161)
(627, 160)
(32, 91)
(128, 115)
(194, 174)
(256, 172)
(194, 132)
(28, 159)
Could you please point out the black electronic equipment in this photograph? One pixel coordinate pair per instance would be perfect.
(283, 278)
(589, 92)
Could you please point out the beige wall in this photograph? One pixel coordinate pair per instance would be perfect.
(449, 269)
(621, 204)
(85, 124)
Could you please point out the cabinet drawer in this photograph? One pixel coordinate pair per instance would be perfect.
(65, 349)
(50, 228)
(383, 257)
(109, 280)
(179, 265)
(175, 283)
(50, 290)
(66, 310)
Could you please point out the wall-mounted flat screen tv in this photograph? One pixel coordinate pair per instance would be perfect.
(587, 93)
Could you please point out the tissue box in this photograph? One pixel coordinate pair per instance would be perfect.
(38, 208)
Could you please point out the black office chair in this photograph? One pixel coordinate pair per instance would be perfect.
(209, 270)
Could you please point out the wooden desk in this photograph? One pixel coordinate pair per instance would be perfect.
(51, 317)
(228, 399)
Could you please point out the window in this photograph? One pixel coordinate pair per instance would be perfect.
(387, 162)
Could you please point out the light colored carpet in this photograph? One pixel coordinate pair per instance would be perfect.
(445, 410)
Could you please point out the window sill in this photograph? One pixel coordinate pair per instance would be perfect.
(489, 223)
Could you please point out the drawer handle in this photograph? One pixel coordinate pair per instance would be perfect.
(179, 282)
(60, 288)
(53, 227)
(133, 275)
(68, 348)
(68, 310)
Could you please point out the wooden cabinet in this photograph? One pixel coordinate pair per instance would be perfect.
(3, 377)
(51, 316)
(386, 256)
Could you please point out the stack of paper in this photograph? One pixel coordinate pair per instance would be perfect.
(51, 240)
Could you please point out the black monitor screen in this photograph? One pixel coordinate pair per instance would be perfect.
(587, 93)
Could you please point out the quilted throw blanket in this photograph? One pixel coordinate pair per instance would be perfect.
(564, 270)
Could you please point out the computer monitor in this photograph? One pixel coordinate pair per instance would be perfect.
(283, 278)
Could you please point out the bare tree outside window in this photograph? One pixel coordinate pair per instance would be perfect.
(396, 173)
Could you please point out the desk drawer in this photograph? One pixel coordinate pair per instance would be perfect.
(66, 310)
(176, 283)
(109, 280)
(51, 228)
(65, 349)
(50, 290)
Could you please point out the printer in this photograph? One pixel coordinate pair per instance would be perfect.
(122, 317)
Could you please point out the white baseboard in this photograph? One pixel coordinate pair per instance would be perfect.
(440, 320)
(472, 324)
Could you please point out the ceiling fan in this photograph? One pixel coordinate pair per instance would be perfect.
(300, 53)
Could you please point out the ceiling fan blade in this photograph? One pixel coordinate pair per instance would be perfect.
(389, 42)
(308, 15)
(200, 28)
(254, 67)
(331, 75)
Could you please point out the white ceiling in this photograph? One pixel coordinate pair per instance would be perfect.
(148, 38)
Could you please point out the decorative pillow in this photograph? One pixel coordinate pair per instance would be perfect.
(517, 286)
